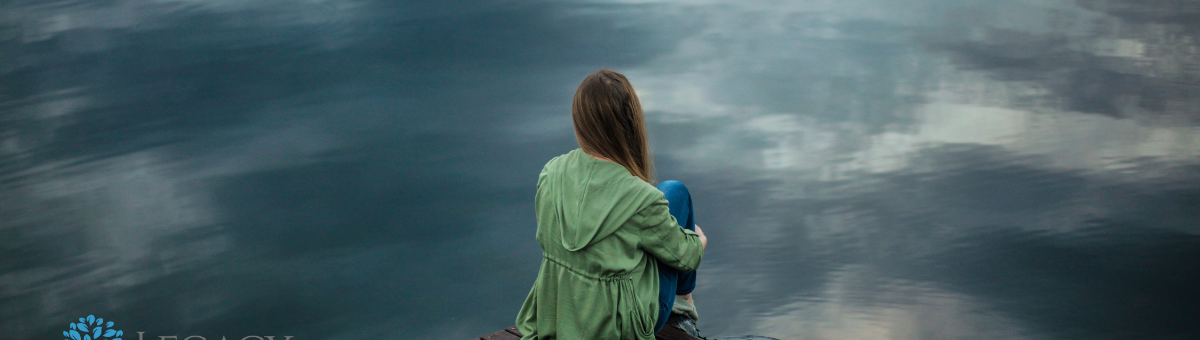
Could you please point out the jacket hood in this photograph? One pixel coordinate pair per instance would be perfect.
(589, 198)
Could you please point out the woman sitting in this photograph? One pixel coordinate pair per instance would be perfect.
(617, 250)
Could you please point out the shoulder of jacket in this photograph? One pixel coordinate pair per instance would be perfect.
(647, 192)
(553, 161)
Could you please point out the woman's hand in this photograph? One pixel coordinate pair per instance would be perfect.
(703, 239)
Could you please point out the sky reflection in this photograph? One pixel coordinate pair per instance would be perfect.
(357, 169)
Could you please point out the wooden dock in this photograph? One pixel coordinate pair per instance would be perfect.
(667, 333)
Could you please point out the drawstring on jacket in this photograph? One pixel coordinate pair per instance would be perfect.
(643, 326)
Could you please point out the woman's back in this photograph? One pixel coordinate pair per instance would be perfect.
(580, 202)
(601, 230)
(604, 230)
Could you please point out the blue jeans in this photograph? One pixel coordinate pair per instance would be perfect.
(671, 282)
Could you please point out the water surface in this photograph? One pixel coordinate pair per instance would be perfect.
(339, 169)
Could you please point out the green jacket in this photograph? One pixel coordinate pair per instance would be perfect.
(600, 229)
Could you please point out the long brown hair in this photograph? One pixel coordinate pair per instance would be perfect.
(609, 123)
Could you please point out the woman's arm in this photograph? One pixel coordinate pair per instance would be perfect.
(662, 237)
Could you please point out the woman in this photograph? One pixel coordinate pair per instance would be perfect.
(615, 255)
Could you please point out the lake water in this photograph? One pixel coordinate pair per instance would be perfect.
(363, 169)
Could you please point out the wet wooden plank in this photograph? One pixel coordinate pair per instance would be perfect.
(667, 333)
(500, 335)
(672, 333)
(513, 330)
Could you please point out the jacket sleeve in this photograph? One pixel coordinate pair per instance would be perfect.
(662, 237)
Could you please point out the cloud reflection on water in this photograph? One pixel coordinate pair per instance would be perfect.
(341, 169)
(868, 152)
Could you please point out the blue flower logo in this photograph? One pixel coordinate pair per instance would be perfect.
(92, 328)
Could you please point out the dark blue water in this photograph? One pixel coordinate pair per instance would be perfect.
(340, 169)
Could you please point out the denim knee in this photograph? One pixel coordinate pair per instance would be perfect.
(673, 188)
